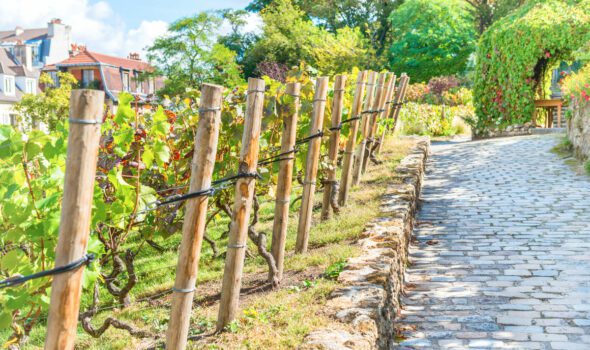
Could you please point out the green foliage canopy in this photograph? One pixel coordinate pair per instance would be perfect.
(188, 56)
(431, 38)
(517, 51)
(290, 38)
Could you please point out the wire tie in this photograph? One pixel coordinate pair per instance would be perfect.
(236, 246)
(309, 182)
(209, 109)
(339, 90)
(283, 201)
(319, 100)
(293, 95)
(84, 122)
(251, 91)
(180, 290)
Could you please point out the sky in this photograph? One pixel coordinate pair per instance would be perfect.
(114, 27)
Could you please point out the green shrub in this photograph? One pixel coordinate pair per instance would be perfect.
(515, 54)
(428, 119)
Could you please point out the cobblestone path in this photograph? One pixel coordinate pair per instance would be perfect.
(502, 252)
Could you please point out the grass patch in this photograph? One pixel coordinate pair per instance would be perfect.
(564, 148)
(269, 319)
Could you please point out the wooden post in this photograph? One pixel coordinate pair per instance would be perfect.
(193, 228)
(238, 234)
(311, 167)
(330, 185)
(347, 164)
(378, 104)
(358, 162)
(388, 107)
(399, 98)
(285, 178)
(86, 112)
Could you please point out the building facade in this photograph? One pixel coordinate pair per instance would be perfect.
(111, 74)
(16, 79)
(46, 45)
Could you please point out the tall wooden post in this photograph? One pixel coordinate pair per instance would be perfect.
(372, 121)
(330, 184)
(238, 234)
(193, 228)
(347, 164)
(285, 178)
(358, 162)
(399, 98)
(86, 111)
(388, 107)
(311, 167)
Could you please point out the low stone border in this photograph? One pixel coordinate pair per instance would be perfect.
(512, 130)
(369, 301)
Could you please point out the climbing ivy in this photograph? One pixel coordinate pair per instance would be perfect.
(515, 54)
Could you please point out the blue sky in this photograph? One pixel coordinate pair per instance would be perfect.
(115, 27)
(135, 10)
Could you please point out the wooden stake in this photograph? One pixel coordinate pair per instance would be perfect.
(238, 234)
(86, 112)
(285, 178)
(378, 104)
(193, 227)
(399, 98)
(311, 168)
(330, 186)
(347, 164)
(388, 108)
(358, 162)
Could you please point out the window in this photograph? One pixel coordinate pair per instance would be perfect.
(30, 86)
(125, 81)
(5, 118)
(87, 77)
(54, 77)
(151, 85)
(138, 84)
(9, 85)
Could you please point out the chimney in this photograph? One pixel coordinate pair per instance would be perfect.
(18, 31)
(24, 54)
(134, 56)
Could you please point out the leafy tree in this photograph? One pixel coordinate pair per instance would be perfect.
(236, 40)
(189, 56)
(48, 107)
(290, 38)
(431, 38)
(486, 12)
(370, 16)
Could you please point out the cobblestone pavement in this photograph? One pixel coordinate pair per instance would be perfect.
(502, 252)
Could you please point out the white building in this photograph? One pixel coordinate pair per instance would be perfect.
(23, 53)
(16, 79)
(48, 45)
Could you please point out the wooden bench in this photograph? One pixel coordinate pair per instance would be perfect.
(549, 105)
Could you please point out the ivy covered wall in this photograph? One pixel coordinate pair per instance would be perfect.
(515, 54)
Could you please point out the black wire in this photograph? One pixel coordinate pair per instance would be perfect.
(201, 193)
(309, 138)
(85, 260)
(278, 157)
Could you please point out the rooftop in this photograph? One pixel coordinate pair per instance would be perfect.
(20, 34)
(86, 57)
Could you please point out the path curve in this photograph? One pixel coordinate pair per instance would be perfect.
(502, 252)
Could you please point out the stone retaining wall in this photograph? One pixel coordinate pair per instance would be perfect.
(513, 130)
(578, 129)
(369, 300)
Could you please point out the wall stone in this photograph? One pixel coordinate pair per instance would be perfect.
(578, 128)
(369, 301)
(512, 130)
